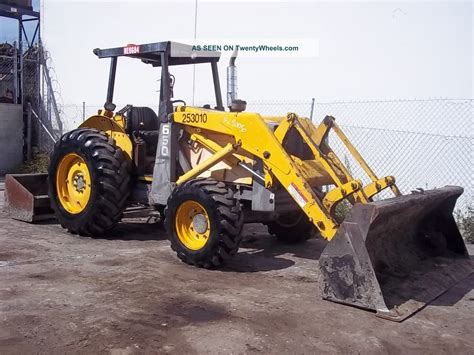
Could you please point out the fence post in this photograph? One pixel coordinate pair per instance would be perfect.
(312, 109)
(21, 66)
(15, 74)
(29, 131)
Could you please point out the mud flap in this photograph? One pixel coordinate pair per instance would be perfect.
(397, 255)
(26, 197)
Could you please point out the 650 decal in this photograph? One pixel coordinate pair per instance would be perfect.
(165, 140)
(191, 117)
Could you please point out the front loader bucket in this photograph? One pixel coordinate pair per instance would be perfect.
(26, 197)
(397, 255)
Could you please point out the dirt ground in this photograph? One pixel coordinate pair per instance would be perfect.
(128, 293)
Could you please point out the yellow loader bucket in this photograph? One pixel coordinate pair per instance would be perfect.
(397, 255)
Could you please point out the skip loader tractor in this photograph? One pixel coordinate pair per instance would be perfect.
(208, 170)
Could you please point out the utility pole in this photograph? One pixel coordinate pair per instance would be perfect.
(195, 33)
(312, 109)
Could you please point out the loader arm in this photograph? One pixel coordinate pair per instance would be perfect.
(251, 133)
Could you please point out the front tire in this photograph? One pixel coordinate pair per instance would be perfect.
(204, 222)
(88, 182)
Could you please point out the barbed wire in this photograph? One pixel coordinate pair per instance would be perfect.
(409, 132)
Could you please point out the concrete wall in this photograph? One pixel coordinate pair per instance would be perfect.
(11, 137)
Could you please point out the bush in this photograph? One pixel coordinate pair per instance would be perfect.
(342, 210)
(38, 164)
(465, 222)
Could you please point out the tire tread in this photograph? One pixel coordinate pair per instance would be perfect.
(113, 175)
(229, 225)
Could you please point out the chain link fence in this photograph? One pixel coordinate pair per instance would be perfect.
(29, 74)
(6, 79)
(423, 143)
(20, 82)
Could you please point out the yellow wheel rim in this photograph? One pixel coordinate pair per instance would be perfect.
(73, 183)
(192, 225)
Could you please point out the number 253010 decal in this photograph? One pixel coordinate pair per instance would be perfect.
(194, 117)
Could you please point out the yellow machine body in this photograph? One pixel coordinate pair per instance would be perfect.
(223, 140)
(114, 127)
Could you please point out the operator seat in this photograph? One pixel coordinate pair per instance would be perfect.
(143, 124)
(142, 119)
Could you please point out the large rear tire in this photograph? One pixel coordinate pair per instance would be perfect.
(204, 222)
(89, 182)
(291, 228)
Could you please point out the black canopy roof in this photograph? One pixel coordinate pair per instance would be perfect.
(177, 53)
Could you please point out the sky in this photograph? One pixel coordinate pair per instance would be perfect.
(367, 50)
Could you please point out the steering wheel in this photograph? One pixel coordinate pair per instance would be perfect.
(176, 101)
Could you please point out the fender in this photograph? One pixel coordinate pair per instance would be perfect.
(111, 129)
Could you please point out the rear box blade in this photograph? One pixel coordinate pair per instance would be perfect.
(26, 197)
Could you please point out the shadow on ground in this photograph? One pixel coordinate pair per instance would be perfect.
(137, 230)
(263, 252)
(456, 293)
(258, 251)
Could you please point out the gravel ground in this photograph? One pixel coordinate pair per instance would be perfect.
(128, 293)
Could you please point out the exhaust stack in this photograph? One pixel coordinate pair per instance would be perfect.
(232, 79)
(234, 104)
